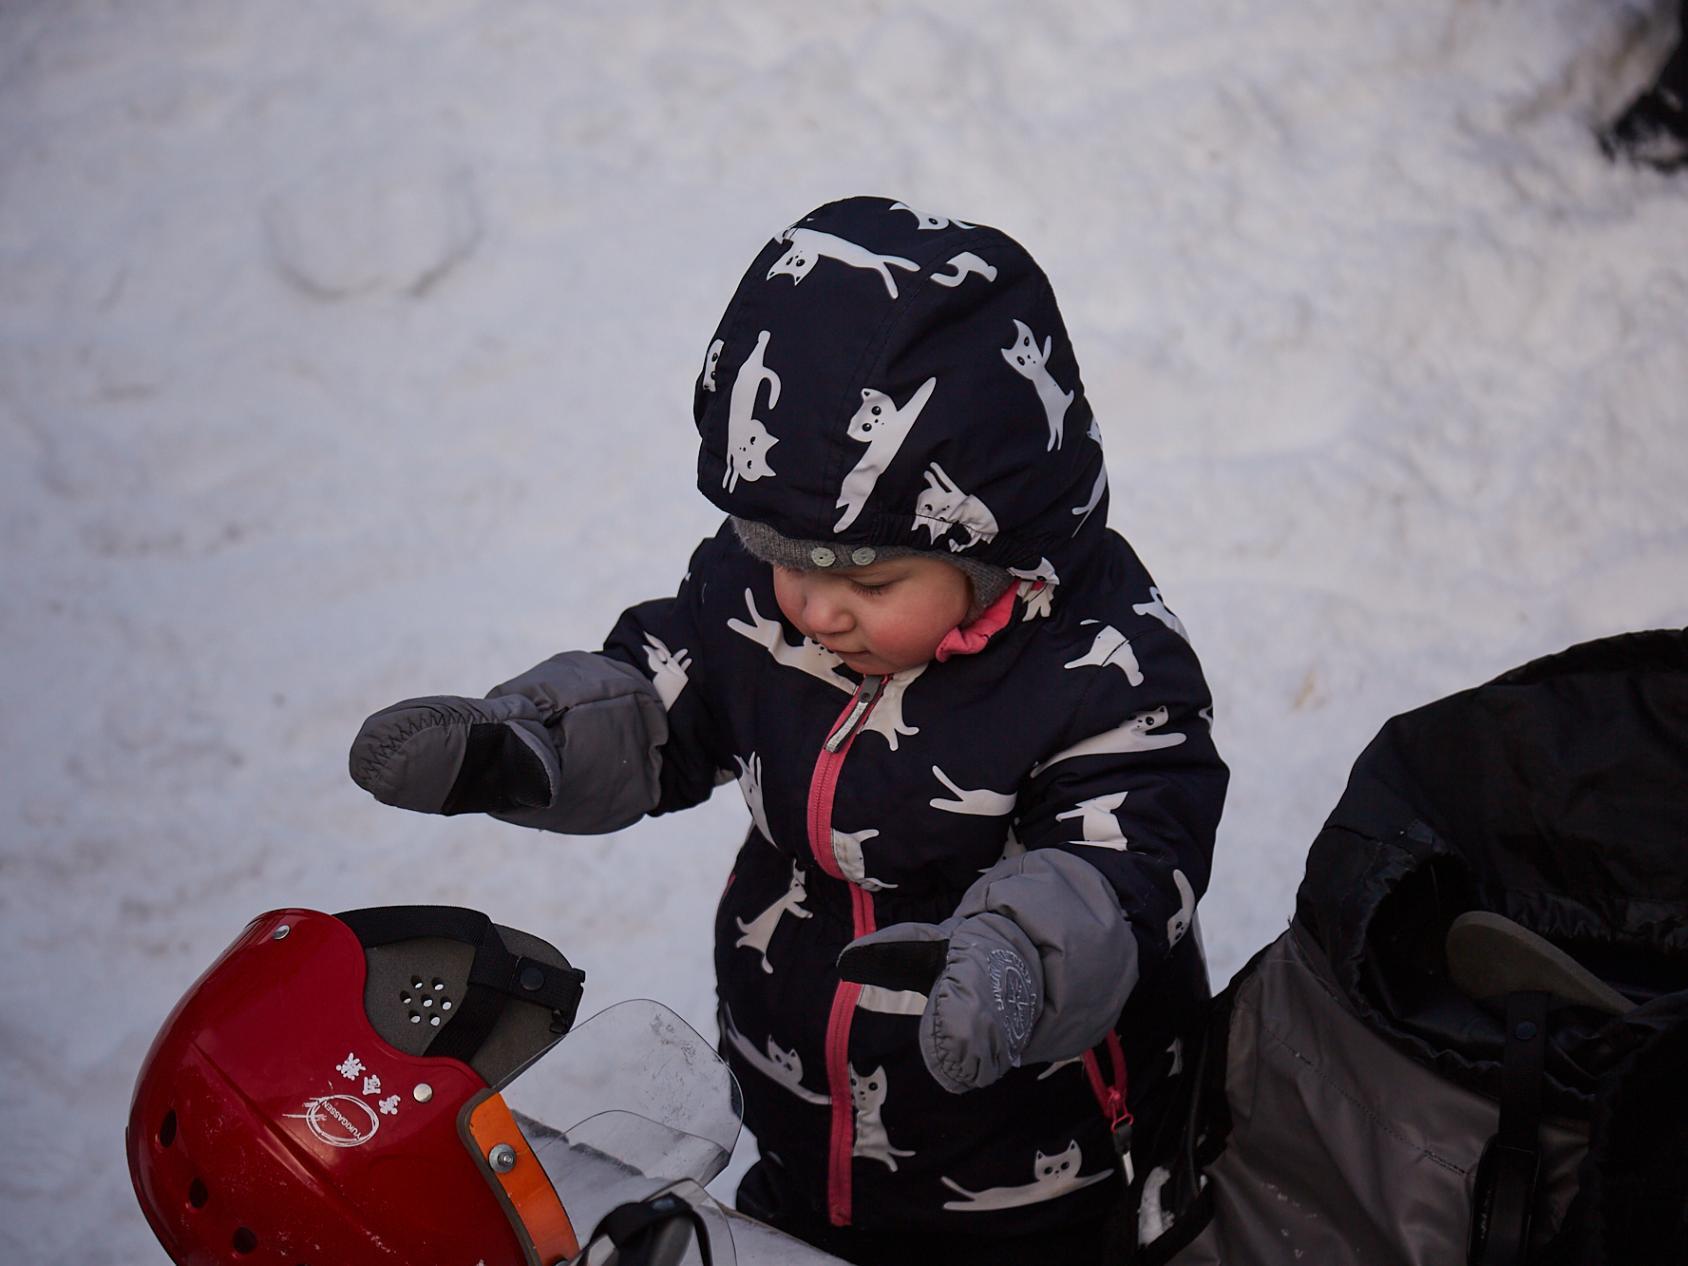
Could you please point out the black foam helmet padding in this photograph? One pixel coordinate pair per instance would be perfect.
(447, 981)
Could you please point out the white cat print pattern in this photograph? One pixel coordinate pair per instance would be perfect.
(868, 1091)
(748, 440)
(781, 1066)
(963, 266)
(809, 247)
(1052, 1177)
(944, 506)
(883, 427)
(1110, 649)
(1028, 360)
(759, 932)
(929, 223)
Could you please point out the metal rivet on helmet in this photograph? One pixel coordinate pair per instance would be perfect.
(502, 1158)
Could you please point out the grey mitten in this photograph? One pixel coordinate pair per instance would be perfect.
(445, 754)
(1035, 965)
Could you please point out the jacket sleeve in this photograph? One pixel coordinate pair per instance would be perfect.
(1135, 792)
(629, 724)
(669, 643)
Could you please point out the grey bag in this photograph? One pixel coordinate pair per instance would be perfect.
(1470, 1045)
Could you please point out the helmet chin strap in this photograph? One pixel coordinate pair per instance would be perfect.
(496, 975)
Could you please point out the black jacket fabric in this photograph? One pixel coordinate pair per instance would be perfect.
(1079, 720)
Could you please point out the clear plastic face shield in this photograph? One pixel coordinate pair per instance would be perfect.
(651, 1115)
(655, 1114)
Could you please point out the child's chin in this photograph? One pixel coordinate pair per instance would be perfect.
(872, 665)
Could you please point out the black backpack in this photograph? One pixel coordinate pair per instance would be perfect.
(1471, 1044)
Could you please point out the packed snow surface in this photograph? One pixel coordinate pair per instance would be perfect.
(346, 354)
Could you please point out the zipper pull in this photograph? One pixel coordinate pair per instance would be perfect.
(866, 693)
(1120, 1121)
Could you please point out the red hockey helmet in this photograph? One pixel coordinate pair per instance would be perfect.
(326, 1094)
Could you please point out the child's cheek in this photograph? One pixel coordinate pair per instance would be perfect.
(787, 594)
(908, 641)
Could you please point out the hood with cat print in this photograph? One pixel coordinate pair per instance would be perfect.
(892, 378)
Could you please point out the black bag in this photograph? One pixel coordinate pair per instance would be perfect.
(1471, 1045)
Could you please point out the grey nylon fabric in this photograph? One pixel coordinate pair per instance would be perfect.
(609, 725)
(408, 754)
(1040, 963)
(1343, 1152)
(1082, 943)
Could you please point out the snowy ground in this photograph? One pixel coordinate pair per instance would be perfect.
(346, 352)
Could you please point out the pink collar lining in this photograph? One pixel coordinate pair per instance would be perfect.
(970, 639)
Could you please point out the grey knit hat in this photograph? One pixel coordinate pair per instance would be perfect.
(989, 582)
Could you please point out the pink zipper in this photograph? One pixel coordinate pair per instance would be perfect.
(823, 786)
(1111, 1097)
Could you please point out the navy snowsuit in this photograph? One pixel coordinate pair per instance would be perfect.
(884, 377)
(887, 379)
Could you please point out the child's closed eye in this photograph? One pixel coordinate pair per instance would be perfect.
(873, 587)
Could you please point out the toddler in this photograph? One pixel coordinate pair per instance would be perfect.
(955, 953)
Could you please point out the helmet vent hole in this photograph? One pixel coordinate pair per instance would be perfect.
(404, 997)
(416, 982)
(445, 1004)
(438, 984)
(167, 1129)
(244, 1240)
(435, 1021)
(415, 1017)
(198, 1193)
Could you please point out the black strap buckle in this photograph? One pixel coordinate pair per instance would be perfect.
(1503, 1197)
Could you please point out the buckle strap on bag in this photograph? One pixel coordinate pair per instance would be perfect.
(1503, 1199)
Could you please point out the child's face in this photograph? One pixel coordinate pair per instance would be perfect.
(878, 619)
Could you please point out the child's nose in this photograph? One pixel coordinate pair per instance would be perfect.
(827, 613)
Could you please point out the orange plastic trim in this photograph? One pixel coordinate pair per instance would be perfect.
(526, 1184)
